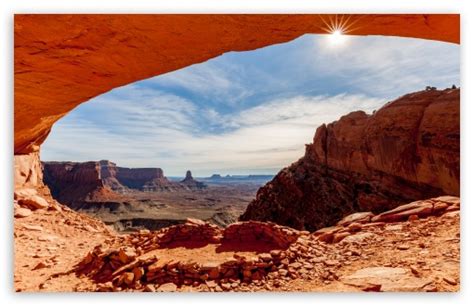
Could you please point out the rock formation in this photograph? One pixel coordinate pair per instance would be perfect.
(190, 183)
(407, 150)
(75, 184)
(27, 171)
(145, 179)
(92, 182)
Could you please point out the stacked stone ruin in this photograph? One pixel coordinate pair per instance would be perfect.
(124, 264)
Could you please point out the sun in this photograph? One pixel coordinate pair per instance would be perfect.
(337, 28)
(337, 37)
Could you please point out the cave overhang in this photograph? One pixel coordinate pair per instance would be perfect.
(62, 61)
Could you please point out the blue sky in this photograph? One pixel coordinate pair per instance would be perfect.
(248, 112)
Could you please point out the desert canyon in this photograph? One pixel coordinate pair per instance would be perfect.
(373, 205)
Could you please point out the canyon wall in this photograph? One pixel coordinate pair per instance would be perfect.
(407, 150)
(62, 61)
(145, 179)
(74, 183)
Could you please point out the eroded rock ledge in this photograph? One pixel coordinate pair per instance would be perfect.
(407, 150)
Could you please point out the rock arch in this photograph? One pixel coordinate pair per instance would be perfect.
(62, 61)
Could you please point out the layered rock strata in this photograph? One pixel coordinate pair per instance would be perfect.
(407, 150)
(145, 179)
(80, 185)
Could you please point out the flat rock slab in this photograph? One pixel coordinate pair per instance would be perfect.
(22, 212)
(358, 238)
(168, 287)
(33, 202)
(33, 227)
(389, 279)
(361, 217)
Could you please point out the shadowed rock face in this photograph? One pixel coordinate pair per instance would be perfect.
(407, 150)
(75, 183)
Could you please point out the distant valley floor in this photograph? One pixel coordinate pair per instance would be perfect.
(219, 204)
(131, 199)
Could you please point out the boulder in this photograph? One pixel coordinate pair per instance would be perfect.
(20, 193)
(194, 221)
(354, 227)
(28, 173)
(149, 288)
(32, 227)
(33, 202)
(22, 212)
(450, 200)
(128, 278)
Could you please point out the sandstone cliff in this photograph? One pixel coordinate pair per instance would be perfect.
(407, 150)
(81, 185)
(145, 179)
(75, 184)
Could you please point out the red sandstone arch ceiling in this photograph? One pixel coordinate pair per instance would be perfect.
(62, 61)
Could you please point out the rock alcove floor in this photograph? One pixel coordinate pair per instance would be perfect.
(414, 247)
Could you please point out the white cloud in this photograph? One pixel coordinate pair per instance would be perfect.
(248, 111)
(387, 66)
(265, 139)
(302, 110)
(218, 81)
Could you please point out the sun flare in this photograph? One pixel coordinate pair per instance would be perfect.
(337, 27)
(337, 37)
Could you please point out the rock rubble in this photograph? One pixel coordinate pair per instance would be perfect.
(129, 263)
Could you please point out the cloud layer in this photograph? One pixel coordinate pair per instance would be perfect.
(248, 112)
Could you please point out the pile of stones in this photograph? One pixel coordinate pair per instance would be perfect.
(126, 264)
(27, 200)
